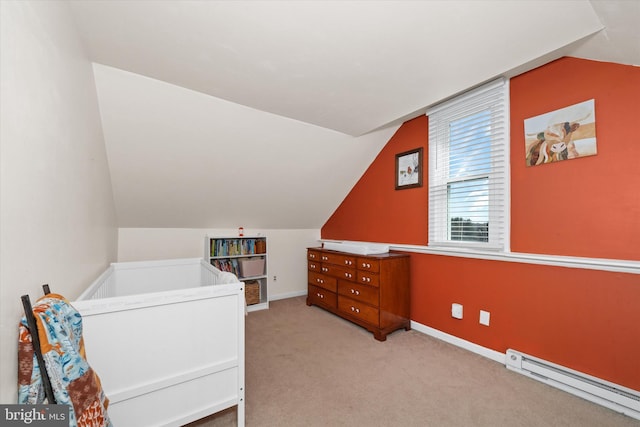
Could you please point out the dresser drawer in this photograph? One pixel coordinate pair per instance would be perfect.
(339, 271)
(366, 278)
(358, 309)
(367, 264)
(313, 266)
(322, 296)
(338, 259)
(326, 282)
(357, 292)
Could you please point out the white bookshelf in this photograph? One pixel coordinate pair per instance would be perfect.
(246, 257)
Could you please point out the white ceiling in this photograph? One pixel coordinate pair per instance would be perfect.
(215, 109)
(182, 159)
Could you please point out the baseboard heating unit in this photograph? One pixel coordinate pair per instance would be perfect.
(610, 395)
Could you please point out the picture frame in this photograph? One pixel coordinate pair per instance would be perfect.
(563, 134)
(409, 169)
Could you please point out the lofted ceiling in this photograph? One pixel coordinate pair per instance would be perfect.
(266, 113)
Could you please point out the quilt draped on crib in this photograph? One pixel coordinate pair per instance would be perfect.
(73, 381)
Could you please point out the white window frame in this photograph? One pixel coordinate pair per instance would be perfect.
(493, 97)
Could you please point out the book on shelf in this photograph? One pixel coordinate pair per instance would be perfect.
(227, 264)
(237, 247)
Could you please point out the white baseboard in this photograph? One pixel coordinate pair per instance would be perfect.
(459, 342)
(288, 295)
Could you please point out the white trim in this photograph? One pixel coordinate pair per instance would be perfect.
(258, 306)
(464, 96)
(602, 264)
(506, 224)
(448, 147)
(494, 355)
(288, 295)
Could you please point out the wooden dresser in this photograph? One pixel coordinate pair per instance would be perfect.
(369, 290)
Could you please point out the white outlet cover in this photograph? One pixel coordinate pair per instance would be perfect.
(456, 311)
(484, 317)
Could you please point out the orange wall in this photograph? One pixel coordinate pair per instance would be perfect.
(584, 319)
(391, 216)
(590, 206)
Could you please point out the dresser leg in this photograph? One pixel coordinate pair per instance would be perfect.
(379, 336)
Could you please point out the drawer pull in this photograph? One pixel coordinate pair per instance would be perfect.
(366, 265)
(366, 279)
(321, 296)
(348, 262)
(348, 275)
(320, 280)
(355, 291)
(325, 269)
(312, 255)
(355, 310)
(324, 258)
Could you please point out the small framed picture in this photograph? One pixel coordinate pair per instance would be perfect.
(409, 169)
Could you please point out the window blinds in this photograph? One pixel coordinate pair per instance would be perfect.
(469, 169)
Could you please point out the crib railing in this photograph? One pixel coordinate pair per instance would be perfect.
(208, 273)
(102, 287)
(106, 285)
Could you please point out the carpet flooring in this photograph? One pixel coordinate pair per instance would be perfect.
(307, 367)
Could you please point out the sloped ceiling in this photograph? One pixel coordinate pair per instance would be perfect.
(265, 113)
(182, 159)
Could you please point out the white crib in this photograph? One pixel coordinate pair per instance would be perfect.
(167, 341)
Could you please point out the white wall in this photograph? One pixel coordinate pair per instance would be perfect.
(286, 251)
(57, 222)
(183, 159)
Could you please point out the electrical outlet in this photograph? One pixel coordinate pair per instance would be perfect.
(484, 317)
(275, 278)
(456, 311)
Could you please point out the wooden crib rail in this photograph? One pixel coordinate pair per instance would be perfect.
(35, 340)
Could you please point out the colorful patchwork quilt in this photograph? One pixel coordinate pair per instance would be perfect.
(73, 381)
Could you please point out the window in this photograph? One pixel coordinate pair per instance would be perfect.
(469, 170)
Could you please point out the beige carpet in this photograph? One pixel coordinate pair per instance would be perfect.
(307, 367)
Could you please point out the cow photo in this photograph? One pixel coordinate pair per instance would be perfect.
(567, 133)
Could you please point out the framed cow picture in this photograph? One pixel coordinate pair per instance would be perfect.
(564, 134)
